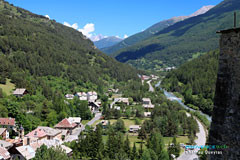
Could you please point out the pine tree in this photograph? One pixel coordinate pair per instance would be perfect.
(142, 134)
(174, 148)
(156, 143)
(141, 149)
(127, 147)
(134, 154)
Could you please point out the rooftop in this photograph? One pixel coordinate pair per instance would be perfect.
(65, 123)
(135, 126)
(81, 93)
(92, 93)
(51, 143)
(26, 151)
(13, 141)
(50, 131)
(38, 133)
(71, 138)
(148, 106)
(5, 144)
(74, 119)
(19, 91)
(146, 99)
(7, 121)
(4, 154)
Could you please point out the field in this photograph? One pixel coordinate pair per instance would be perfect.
(167, 140)
(127, 122)
(8, 87)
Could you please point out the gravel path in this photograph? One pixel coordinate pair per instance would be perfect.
(201, 140)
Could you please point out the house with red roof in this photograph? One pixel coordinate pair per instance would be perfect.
(65, 124)
(35, 135)
(8, 123)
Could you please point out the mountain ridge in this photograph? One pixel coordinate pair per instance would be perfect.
(107, 42)
(177, 43)
(155, 28)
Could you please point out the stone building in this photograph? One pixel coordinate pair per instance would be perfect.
(225, 127)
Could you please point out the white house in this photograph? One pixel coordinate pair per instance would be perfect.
(92, 96)
(69, 96)
(82, 96)
(134, 128)
(147, 114)
(19, 92)
(123, 100)
(76, 120)
(147, 103)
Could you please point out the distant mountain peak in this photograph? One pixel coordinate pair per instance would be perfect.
(202, 10)
(97, 37)
(107, 41)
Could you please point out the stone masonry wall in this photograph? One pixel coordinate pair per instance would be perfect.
(225, 127)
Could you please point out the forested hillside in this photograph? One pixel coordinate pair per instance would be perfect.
(142, 35)
(196, 81)
(32, 45)
(176, 44)
(50, 60)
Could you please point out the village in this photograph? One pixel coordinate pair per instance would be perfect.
(14, 143)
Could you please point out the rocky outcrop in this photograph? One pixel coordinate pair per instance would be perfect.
(225, 127)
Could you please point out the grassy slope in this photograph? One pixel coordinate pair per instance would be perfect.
(8, 87)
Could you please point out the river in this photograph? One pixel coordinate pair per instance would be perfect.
(172, 97)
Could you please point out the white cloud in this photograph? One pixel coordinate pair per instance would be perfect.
(67, 24)
(125, 36)
(74, 26)
(47, 16)
(87, 30)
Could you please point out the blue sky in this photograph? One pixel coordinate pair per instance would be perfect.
(112, 17)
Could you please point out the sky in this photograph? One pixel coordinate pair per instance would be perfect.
(111, 17)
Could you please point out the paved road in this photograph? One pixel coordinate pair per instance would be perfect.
(201, 140)
(77, 131)
(114, 101)
(151, 89)
(97, 117)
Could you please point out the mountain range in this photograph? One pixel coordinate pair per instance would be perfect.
(181, 41)
(107, 42)
(152, 30)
